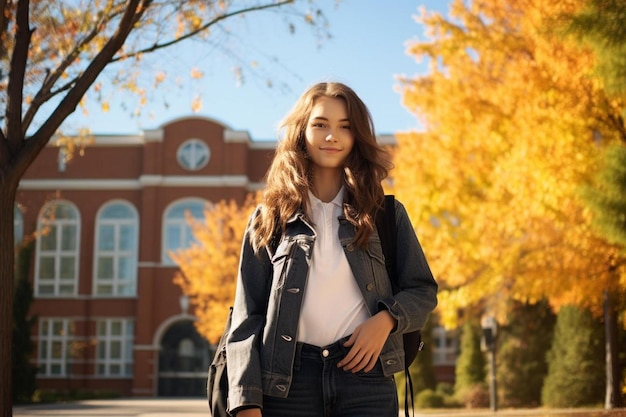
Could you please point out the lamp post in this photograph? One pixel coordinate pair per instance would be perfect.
(490, 328)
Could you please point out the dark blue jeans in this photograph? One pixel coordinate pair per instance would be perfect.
(320, 389)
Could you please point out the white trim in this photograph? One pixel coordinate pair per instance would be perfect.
(193, 147)
(137, 184)
(117, 140)
(116, 253)
(166, 324)
(255, 186)
(65, 338)
(147, 348)
(194, 181)
(105, 340)
(153, 135)
(180, 223)
(103, 140)
(263, 145)
(58, 251)
(61, 184)
(148, 264)
(236, 136)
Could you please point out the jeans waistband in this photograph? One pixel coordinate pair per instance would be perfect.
(335, 350)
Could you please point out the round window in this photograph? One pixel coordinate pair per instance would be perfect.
(193, 154)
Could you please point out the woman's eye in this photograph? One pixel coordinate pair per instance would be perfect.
(318, 125)
(346, 127)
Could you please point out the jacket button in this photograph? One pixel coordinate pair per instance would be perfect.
(370, 287)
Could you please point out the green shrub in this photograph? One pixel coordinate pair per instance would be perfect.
(429, 399)
(575, 361)
(522, 346)
(23, 371)
(471, 363)
(445, 388)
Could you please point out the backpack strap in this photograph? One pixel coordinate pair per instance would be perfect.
(388, 234)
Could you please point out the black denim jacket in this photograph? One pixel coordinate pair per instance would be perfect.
(270, 289)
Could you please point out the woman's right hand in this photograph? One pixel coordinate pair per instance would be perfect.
(250, 412)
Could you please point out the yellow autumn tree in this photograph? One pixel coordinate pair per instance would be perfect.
(513, 123)
(208, 268)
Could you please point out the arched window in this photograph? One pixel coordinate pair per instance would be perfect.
(115, 251)
(176, 230)
(56, 268)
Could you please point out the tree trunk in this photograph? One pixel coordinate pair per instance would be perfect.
(8, 188)
(613, 397)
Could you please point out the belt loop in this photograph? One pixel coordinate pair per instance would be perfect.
(298, 357)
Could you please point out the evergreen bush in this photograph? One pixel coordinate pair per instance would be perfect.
(576, 375)
(23, 372)
(521, 354)
(429, 399)
(470, 367)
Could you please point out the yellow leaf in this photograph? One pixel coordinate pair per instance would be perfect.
(196, 104)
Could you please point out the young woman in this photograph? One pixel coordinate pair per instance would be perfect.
(316, 329)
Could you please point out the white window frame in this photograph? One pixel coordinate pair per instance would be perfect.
(46, 346)
(445, 346)
(105, 363)
(196, 152)
(181, 224)
(116, 253)
(18, 225)
(43, 223)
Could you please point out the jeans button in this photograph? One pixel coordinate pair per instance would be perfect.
(325, 353)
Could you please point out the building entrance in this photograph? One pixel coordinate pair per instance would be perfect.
(183, 362)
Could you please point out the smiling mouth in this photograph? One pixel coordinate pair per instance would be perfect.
(330, 149)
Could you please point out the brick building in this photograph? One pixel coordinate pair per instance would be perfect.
(109, 315)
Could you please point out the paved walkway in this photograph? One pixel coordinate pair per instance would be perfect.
(163, 407)
(153, 407)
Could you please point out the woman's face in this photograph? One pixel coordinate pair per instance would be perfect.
(329, 137)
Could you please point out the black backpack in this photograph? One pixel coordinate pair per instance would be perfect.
(217, 382)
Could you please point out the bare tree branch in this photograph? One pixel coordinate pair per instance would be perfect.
(134, 10)
(201, 29)
(17, 70)
(44, 94)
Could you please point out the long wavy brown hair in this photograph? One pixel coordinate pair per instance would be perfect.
(289, 177)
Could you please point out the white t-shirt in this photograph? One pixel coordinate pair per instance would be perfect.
(333, 305)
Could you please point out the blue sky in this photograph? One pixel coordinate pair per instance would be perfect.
(367, 50)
